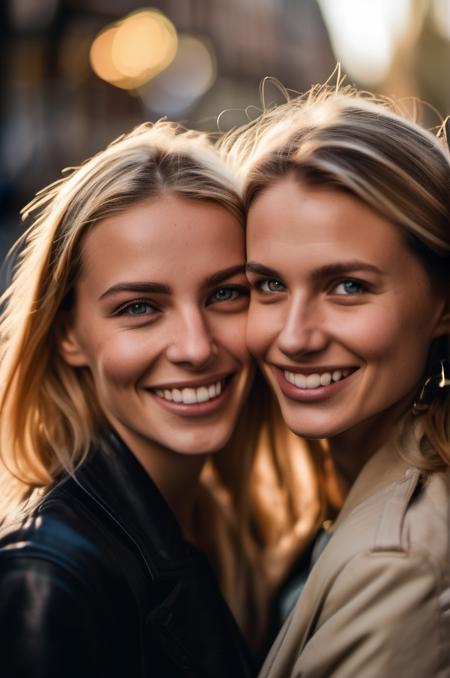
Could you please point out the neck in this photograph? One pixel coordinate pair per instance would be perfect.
(351, 449)
(349, 452)
(177, 478)
(176, 475)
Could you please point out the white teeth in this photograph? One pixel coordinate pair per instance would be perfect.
(188, 396)
(300, 380)
(176, 395)
(191, 396)
(325, 379)
(315, 380)
(202, 394)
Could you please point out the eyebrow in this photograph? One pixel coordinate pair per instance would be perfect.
(142, 287)
(326, 271)
(343, 267)
(158, 288)
(226, 273)
(259, 269)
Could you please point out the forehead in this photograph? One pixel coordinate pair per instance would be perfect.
(163, 237)
(291, 219)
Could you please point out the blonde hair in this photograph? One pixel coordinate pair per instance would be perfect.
(49, 410)
(366, 146)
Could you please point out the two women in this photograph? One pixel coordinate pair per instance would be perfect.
(124, 366)
(348, 242)
(130, 430)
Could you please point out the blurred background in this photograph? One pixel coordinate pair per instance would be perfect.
(77, 73)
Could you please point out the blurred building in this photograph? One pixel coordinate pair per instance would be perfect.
(190, 60)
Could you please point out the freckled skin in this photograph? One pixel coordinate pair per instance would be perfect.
(135, 341)
(384, 330)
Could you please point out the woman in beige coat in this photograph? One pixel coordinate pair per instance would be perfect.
(349, 253)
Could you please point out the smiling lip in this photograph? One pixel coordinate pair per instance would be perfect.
(193, 383)
(337, 379)
(194, 399)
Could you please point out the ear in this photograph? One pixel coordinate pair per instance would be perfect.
(443, 324)
(69, 345)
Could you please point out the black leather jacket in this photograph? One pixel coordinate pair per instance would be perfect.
(100, 582)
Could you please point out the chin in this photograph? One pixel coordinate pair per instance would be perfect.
(202, 443)
(308, 433)
(307, 427)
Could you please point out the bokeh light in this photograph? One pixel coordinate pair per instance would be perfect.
(101, 56)
(364, 34)
(134, 50)
(188, 77)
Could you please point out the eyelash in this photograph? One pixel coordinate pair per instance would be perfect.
(259, 286)
(363, 286)
(240, 290)
(122, 310)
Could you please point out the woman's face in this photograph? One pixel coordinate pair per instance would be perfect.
(159, 319)
(342, 313)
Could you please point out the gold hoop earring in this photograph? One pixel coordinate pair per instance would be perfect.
(433, 387)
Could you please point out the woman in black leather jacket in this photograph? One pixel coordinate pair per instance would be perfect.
(123, 366)
(131, 439)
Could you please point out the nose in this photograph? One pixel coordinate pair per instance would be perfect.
(192, 344)
(303, 331)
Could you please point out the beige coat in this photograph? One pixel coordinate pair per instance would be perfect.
(377, 602)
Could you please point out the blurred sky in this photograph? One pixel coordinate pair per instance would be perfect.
(77, 73)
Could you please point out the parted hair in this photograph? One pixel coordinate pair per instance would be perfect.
(372, 149)
(49, 409)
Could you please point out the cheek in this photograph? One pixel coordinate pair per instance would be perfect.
(372, 334)
(231, 333)
(392, 338)
(122, 358)
(265, 322)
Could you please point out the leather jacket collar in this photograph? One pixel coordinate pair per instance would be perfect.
(116, 481)
(185, 610)
(156, 598)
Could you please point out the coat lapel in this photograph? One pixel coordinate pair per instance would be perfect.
(382, 470)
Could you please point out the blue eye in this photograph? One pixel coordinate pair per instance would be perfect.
(137, 308)
(223, 294)
(271, 286)
(349, 287)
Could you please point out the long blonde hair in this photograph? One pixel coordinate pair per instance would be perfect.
(49, 410)
(365, 146)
